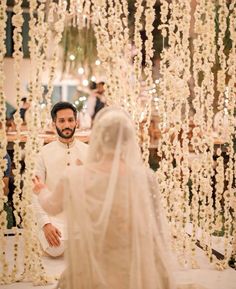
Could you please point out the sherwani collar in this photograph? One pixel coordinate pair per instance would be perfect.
(66, 145)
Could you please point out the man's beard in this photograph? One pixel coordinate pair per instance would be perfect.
(62, 135)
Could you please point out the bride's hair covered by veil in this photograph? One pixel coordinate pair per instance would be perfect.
(113, 236)
(113, 130)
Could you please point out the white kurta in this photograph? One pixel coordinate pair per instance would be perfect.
(52, 161)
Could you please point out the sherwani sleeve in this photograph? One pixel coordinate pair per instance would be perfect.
(41, 216)
(52, 202)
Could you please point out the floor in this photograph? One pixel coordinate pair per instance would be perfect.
(206, 277)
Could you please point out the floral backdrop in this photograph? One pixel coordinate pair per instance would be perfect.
(179, 54)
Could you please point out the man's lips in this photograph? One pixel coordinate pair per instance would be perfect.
(67, 130)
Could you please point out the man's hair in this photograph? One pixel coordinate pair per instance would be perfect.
(93, 85)
(62, 105)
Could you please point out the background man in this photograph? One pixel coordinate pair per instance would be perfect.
(25, 106)
(100, 99)
(7, 174)
(96, 100)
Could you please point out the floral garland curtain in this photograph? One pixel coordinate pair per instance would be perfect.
(196, 172)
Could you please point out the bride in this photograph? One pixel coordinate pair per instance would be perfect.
(114, 236)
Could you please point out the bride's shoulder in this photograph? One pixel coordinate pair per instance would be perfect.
(140, 173)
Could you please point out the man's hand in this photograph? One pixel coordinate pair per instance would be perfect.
(52, 235)
(38, 185)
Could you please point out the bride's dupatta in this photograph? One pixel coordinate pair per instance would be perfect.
(114, 240)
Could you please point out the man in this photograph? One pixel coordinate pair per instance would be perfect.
(100, 100)
(7, 174)
(91, 102)
(96, 100)
(52, 161)
(7, 171)
(25, 106)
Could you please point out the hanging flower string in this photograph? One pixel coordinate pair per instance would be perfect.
(149, 84)
(231, 66)
(3, 216)
(58, 26)
(33, 268)
(17, 22)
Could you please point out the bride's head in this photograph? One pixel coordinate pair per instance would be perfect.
(113, 131)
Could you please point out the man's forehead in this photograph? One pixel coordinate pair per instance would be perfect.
(65, 113)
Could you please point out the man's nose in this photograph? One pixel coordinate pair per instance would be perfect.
(67, 123)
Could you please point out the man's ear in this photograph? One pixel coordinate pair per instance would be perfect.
(53, 124)
(77, 122)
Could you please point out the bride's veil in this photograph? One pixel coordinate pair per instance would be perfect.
(114, 241)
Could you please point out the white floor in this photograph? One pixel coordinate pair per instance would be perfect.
(207, 277)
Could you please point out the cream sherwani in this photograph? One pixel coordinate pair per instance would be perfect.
(52, 161)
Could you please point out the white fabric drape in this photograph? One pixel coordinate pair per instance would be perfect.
(114, 241)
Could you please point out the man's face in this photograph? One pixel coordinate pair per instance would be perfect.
(100, 88)
(65, 123)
